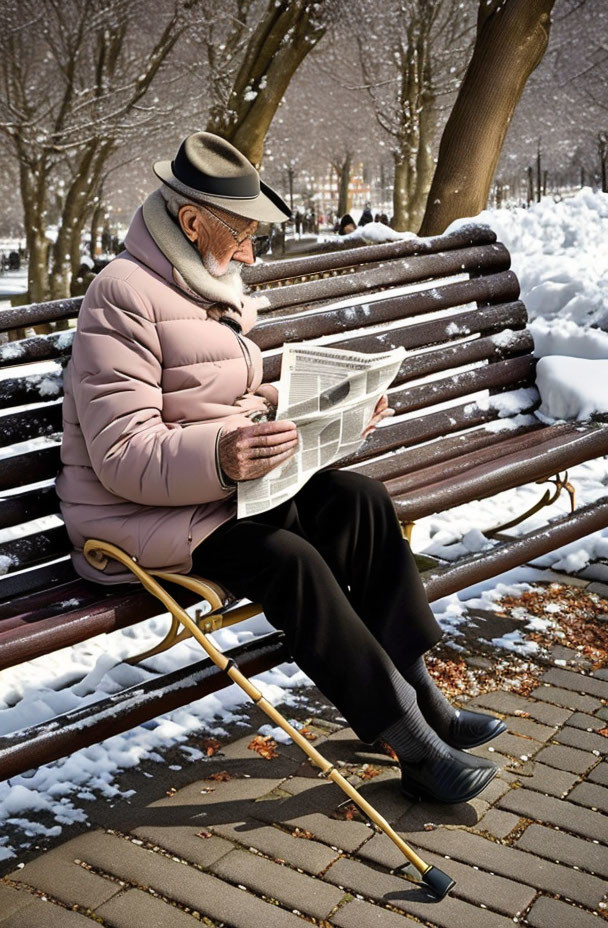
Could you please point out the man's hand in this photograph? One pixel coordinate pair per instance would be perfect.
(381, 411)
(253, 451)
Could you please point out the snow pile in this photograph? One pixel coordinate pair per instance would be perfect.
(558, 251)
(571, 388)
(374, 233)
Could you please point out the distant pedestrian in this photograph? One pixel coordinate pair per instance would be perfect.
(298, 221)
(347, 225)
(366, 215)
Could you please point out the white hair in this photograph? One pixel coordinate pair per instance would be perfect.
(173, 200)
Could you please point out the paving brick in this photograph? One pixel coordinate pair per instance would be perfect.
(402, 894)
(591, 795)
(498, 701)
(346, 835)
(556, 812)
(512, 863)
(498, 823)
(585, 740)
(47, 915)
(136, 907)
(603, 713)
(566, 698)
(547, 713)
(56, 874)
(182, 883)
(579, 682)
(529, 728)
(599, 774)
(496, 892)
(546, 779)
(565, 758)
(563, 848)
(215, 793)
(11, 900)
(360, 914)
(550, 913)
(307, 854)
(586, 722)
(186, 841)
(515, 745)
(295, 890)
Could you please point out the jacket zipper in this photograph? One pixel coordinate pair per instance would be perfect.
(247, 357)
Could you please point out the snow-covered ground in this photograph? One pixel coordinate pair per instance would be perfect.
(560, 254)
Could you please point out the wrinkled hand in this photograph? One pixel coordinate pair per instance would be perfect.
(381, 411)
(253, 451)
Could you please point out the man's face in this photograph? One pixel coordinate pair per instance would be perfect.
(220, 237)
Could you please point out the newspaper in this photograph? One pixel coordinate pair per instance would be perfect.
(331, 395)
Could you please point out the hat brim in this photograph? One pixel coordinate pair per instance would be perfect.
(268, 206)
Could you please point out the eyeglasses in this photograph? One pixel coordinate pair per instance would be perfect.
(238, 237)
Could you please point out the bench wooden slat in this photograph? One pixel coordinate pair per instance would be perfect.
(31, 549)
(39, 578)
(425, 428)
(35, 388)
(23, 507)
(41, 421)
(36, 348)
(487, 320)
(482, 565)
(473, 441)
(18, 317)
(107, 612)
(497, 288)
(512, 373)
(18, 470)
(480, 259)
(504, 473)
(338, 257)
(528, 446)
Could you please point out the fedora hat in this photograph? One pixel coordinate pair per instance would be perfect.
(208, 169)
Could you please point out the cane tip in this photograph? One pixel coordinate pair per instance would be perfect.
(438, 882)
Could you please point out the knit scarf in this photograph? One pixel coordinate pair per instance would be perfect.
(189, 273)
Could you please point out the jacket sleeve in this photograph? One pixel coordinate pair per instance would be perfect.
(116, 374)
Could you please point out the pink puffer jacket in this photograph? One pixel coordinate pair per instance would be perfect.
(150, 383)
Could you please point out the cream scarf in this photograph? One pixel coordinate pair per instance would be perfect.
(189, 272)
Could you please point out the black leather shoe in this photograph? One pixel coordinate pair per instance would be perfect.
(470, 729)
(457, 778)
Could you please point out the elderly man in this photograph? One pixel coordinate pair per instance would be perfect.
(165, 412)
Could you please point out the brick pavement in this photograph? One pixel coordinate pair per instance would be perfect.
(269, 847)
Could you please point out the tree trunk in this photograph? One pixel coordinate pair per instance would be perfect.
(512, 37)
(400, 194)
(344, 172)
(96, 223)
(284, 36)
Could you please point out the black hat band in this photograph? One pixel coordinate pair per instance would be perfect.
(246, 187)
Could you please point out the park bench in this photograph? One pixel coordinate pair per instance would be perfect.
(451, 301)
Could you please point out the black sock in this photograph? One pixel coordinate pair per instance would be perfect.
(412, 738)
(435, 708)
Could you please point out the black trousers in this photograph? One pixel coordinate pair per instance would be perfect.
(334, 573)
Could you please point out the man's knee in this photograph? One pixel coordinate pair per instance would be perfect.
(350, 484)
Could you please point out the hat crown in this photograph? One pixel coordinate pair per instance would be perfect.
(210, 164)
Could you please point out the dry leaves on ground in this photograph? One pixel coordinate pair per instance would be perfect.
(265, 745)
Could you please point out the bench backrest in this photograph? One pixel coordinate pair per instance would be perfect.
(451, 301)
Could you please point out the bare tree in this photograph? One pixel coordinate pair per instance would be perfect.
(74, 79)
(512, 36)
